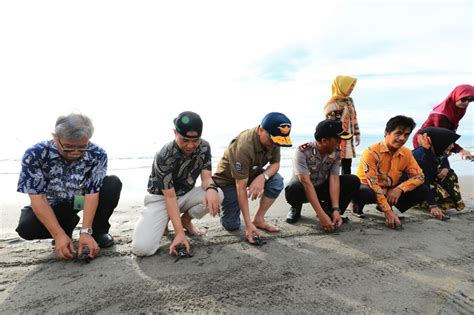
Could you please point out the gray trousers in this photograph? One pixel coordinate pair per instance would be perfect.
(154, 219)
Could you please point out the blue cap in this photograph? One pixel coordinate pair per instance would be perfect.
(279, 127)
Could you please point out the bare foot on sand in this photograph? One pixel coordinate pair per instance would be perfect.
(266, 226)
(188, 226)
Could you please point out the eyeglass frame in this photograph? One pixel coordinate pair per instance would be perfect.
(65, 149)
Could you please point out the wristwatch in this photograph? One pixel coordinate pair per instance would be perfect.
(265, 175)
(85, 231)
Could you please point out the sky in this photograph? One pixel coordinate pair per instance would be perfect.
(132, 66)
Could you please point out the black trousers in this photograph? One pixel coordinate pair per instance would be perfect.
(366, 195)
(349, 185)
(346, 166)
(30, 228)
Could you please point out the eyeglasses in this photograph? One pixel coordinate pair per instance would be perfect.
(467, 99)
(69, 148)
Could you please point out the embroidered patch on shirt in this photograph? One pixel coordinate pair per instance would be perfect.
(304, 147)
(238, 166)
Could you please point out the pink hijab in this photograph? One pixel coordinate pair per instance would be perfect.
(449, 109)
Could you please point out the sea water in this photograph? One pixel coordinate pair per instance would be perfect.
(132, 163)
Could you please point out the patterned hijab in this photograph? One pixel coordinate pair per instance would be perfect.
(449, 109)
(341, 85)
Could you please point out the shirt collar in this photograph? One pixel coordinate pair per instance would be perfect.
(178, 154)
(53, 151)
(331, 155)
(384, 149)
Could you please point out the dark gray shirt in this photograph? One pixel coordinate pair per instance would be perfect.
(308, 161)
(171, 169)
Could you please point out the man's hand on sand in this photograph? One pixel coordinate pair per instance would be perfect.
(64, 247)
(392, 220)
(179, 239)
(326, 222)
(86, 240)
(250, 231)
(336, 219)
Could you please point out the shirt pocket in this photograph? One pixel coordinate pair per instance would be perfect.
(313, 168)
(326, 167)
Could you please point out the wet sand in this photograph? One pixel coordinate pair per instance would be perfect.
(427, 267)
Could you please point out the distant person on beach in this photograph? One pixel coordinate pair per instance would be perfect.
(448, 114)
(63, 176)
(380, 169)
(316, 177)
(341, 107)
(172, 192)
(249, 169)
(441, 182)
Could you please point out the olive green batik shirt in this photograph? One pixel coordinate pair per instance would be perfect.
(245, 157)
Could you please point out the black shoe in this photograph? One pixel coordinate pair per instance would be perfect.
(104, 240)
(293, 215)
(357, 212)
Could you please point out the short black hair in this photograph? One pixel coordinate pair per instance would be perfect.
(400, 121)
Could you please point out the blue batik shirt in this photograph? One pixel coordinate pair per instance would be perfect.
(45, 172)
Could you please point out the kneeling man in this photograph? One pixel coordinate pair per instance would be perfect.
(316, 177)
(171, 189)
(380, 171)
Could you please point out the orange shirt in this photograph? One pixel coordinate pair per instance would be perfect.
(381, 171)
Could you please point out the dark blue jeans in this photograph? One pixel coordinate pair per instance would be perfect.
(230, 214)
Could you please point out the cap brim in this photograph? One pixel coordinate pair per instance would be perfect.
(345, 135)
(281, 141)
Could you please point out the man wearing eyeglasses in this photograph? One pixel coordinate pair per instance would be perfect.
(63, 176)
(249, 169)
(172, 192)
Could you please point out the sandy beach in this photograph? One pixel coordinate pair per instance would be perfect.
(364, 268)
